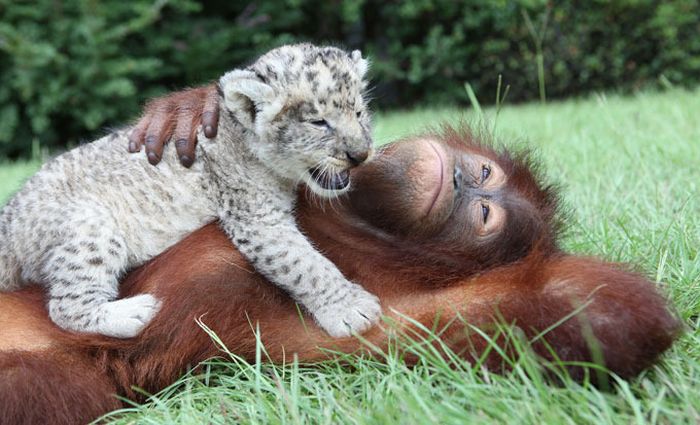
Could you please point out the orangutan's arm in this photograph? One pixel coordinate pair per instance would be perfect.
(574, 308)
(567, 305)
(176, 116)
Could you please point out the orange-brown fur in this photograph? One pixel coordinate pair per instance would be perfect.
(204, 278)
(176, 116)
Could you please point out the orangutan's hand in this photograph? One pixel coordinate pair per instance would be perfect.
(177, 117)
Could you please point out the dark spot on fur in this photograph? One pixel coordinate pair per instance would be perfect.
(311, 75)
(71, 249)
(261, 77)
(74, 267)
(90, 246)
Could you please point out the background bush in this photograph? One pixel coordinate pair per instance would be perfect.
(71, 67)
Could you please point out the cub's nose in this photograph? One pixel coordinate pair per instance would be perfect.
(357, 157)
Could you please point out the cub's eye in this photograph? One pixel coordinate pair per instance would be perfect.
(319, 123)
(485, 172)
(485, 212)
(358, 114)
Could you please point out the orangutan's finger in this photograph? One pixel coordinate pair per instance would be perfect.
(185, 137)
(156, 136)
(137, 134)
(210, 113)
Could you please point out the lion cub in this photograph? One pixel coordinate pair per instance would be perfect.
(296, 115)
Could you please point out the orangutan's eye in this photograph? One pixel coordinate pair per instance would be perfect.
(485, 212)
(457, 179)
(485, 172)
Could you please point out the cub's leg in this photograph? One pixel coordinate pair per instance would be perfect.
(82, 276)
(280, 252)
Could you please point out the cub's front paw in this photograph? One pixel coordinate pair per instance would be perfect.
(127, 317)
(356, 312)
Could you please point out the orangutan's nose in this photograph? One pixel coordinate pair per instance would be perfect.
(357, 157)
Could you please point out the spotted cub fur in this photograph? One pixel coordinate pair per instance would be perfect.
(296, 115)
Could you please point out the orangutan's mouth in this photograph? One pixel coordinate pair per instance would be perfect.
(329, 179)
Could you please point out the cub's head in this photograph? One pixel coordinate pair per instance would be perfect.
(306, 105)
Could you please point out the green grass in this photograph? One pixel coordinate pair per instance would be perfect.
(630, 171)
(12, 175)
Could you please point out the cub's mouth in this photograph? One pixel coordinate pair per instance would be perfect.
(328, 179)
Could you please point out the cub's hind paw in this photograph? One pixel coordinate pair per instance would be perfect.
(354, 313)
(127, 317)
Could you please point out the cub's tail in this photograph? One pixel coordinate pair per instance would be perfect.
(44, 387)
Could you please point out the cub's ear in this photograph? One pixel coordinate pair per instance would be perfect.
(245, 94)
(361, 64)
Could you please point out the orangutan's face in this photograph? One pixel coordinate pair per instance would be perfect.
(454, 197)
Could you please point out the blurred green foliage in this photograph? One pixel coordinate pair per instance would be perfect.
(71, 67)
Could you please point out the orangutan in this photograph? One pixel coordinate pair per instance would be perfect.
(441, 227)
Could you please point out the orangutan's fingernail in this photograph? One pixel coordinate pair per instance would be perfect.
(186, 161)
